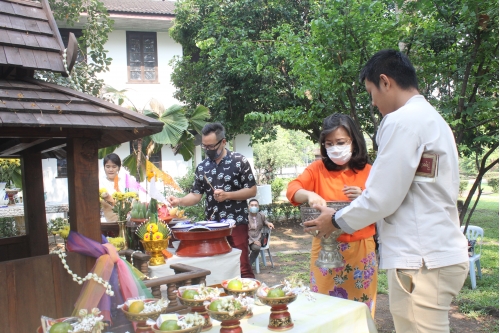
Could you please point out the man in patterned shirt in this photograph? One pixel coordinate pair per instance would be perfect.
(227, 180)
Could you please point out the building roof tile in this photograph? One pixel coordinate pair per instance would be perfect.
(27, 36)
(141, 6)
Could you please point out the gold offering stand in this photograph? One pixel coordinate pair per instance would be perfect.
(155, 248)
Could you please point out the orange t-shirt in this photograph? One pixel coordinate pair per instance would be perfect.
(329, 184)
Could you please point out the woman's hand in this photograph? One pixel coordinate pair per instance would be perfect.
(352, 192)
(315, 199)
(270, 225)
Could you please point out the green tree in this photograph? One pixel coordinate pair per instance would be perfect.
(230, 63)
(454, 46)
(98, 25)
(289, 148)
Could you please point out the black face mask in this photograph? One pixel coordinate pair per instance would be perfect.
(213, 154)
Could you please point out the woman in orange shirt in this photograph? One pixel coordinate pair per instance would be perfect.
(340, 176)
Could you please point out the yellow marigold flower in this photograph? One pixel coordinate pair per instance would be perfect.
(147, 236)
(130, 195)
(157, 236)
(64, 233)
(152, 227)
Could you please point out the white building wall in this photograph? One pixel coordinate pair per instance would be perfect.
(56, 188)
(241, 144)
(141, 94)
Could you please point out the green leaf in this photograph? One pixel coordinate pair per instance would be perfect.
(107, 150)
(175, 123)
(130, 163)
(198, 118)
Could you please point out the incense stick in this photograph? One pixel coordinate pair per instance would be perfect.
(209, 182)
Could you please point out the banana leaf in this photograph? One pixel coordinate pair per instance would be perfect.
(130, 163)
(175, 123)
(185, 147)
(107, 150)
(197, 118)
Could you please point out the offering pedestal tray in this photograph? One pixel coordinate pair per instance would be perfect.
(248, 292)
(198, 307)
(229, 324)
(279, 319)
(329, 256)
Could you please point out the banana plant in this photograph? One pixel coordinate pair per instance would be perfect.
(181, 124)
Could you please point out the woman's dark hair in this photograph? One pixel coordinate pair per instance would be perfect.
(359, 157)
(113, 158)
(392, 63)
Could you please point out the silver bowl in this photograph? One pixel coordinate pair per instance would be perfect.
(329, 256)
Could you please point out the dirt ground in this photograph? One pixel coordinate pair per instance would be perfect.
(290, 239)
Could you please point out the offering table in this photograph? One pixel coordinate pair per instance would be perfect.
(326, 314)
(223, 266)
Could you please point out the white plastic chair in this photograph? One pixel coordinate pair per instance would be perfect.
(262, 253)
(477, 234)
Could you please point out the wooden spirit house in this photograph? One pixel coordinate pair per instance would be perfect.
(41, 120)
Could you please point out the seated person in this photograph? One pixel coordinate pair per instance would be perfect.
(256, 221)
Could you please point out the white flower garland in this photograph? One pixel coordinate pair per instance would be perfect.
(61, 254)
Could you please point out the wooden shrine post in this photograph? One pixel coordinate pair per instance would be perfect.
(35, 219)
(83, 187)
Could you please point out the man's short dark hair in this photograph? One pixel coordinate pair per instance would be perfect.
(392, 63)
(217, 128)
(252, 200)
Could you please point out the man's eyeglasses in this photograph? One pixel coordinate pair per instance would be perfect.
(212, 147)
(340, 143)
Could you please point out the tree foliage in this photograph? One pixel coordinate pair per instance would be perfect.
(289, 148)
(291, 63)
(98, 25)
(455, 47)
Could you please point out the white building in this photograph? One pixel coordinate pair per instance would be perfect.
(141, 49)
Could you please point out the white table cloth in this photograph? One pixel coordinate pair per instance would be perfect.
(326, 314)
(223, 266)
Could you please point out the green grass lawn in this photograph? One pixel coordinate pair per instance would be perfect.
(484, 299)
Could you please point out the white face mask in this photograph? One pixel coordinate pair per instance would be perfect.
(339, 155)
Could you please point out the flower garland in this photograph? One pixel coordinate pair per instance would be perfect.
(61, 254)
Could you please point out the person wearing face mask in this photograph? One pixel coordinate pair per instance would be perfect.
(228, 181)
(340, 176)
(257, 221)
